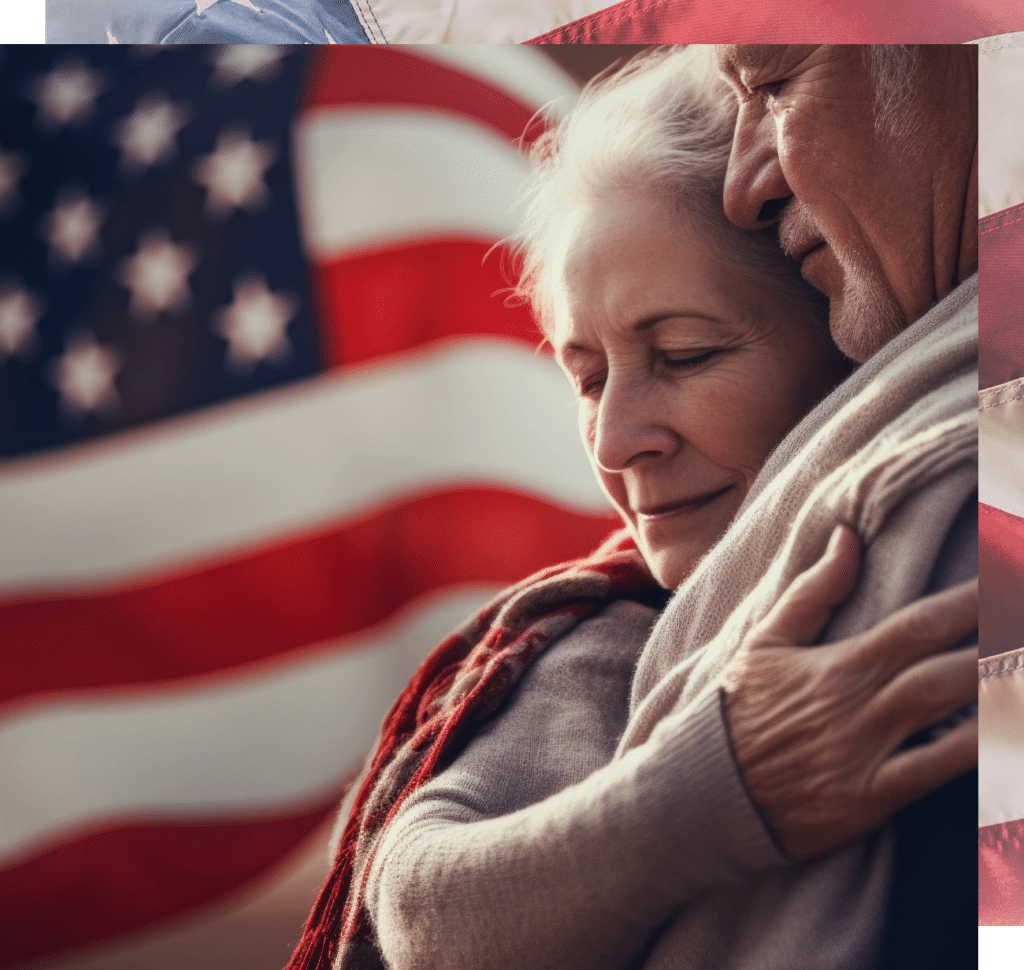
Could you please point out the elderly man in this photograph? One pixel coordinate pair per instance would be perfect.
(874, 184)
(867, 160)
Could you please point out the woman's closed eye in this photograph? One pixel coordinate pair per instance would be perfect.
(674, 361)
(591, 385)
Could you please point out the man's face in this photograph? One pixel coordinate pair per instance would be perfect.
(874, 217)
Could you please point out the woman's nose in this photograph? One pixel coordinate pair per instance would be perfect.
(628, 428)
(756, 190)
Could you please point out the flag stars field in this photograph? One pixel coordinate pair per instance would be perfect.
(84, 376)
(157, 276)
(13, 168)
(240, 62)
(147, 136)
(72, 228)
(67, 95)
(19, 314)
(254, 325)
(233, 175)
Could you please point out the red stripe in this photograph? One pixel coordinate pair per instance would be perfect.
(283, 598)
(120, 879)
(348, 76)
(1001, 874)
(797, 21)
(1000, 580)
(395, 300)
(1000, 336)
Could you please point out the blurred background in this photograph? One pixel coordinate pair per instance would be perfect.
(268, 431)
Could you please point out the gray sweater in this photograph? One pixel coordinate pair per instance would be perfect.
(535, 849)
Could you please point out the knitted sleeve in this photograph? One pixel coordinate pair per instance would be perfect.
(536, 849)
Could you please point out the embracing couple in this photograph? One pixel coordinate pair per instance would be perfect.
(740, 734)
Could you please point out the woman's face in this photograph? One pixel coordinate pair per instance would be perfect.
(687, 375)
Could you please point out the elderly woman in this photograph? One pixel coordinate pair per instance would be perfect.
(497, 824)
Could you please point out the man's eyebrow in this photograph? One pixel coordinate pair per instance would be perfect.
(737, 57)
(726, 60)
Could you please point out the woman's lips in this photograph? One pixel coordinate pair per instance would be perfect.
(657, 513)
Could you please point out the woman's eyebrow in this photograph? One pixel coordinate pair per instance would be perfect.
(682, 313)
(568, 351)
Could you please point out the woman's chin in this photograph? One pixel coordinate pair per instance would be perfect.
(669, 567)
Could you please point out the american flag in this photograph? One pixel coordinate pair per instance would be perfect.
(1001, 520)
(268, 431)
(684, 21)
(722, 21)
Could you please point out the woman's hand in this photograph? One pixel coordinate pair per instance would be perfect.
(819, 731)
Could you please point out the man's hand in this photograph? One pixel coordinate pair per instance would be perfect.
(818, 731)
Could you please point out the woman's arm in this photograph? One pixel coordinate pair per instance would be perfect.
(536, 849)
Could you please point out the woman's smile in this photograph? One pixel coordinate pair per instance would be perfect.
(654, 514)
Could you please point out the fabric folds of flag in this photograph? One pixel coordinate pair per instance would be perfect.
(1001, 474)
(799, 21)
(676, 21)
(268, 432)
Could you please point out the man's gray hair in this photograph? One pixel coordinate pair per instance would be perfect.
(659, 128)
(892, 68)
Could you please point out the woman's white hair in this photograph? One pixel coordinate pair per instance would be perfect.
(660, 127)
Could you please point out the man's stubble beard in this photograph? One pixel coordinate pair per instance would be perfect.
(863, 315)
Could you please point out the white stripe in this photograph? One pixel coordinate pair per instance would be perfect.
(476, 412)
(252, 743)
(525, 73)
(1000, 751)
(368, 178)
(1000, 455)
(1000, 124)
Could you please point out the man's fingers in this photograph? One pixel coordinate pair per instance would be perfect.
(914, 772)
(926, 692)
(921, 628)
(803, 610)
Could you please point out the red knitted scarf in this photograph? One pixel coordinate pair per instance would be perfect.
(463, 681)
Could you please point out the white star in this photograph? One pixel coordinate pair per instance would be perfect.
(85, 377)
(147, 135)
(233, 174)
(254, 324)
(13, 166)
(72, 229)
(19, 314)
(157, 276)
(67, 95)
(237, 62)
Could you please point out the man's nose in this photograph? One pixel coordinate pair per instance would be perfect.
(756, 190)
